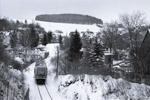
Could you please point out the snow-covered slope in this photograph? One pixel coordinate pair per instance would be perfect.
(92, 87)
(65, 28)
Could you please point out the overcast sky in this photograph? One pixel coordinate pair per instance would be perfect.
(106, 10)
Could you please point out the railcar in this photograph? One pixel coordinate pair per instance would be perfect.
(40, 71)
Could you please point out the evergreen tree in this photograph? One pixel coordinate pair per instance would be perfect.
(60, 39)
(95, 55)
(44, 40)
(75, 46)
(4, 24)
(98, 48)
(25, 22)
(13, 39)
(36, 41)
(34, 37)
(17, 22)
(3, 55)
(49, 37)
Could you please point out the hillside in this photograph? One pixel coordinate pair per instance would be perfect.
(69, 18)
(64, 27)
(92, 87)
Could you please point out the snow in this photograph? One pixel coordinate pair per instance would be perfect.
(50, 82)
(82, 87)
(92, 87)
(65, 28)
(11, 88)
(108, 53)
(40, 46)
(19, 60)
(117, 61)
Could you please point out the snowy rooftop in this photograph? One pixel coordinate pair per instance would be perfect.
(108, 53)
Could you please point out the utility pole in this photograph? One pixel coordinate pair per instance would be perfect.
(57, 59)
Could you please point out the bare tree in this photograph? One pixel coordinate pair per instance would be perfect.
(109, 32)
(25, 39)
(28, 40)
(133, 24)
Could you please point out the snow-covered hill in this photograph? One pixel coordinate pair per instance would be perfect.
(65, 28)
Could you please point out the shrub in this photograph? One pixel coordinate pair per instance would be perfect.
(16, 65)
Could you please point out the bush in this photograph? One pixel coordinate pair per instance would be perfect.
(3, 55)
(16, 65)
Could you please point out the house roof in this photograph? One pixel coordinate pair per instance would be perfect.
(146, 36)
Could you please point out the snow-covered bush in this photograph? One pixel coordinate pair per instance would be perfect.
(18, 59)
(99, 87)
(11, 84)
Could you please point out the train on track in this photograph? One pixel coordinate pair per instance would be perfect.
(40, 72)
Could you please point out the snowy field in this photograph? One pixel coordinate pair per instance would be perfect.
(65, 28)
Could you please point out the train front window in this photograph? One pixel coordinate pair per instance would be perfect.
(41, 71)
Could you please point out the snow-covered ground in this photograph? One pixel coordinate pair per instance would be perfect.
(65, 28)
(50, 83)
(83, 87)
(92, 87)
(11, 86)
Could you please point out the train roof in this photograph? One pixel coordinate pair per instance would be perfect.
(40, 63)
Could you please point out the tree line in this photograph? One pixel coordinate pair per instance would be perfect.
(70, 18)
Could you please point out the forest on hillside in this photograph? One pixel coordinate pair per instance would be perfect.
(69, 18)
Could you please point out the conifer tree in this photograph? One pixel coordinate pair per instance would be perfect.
(44, 40)
(98, 48)
(13, 39)
(36, 41)
(75, 46)
(49, 37)
(3, 55)
(34, 38)
(60, 39)
(25, 22)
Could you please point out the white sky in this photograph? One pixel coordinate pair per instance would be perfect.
(107, 10)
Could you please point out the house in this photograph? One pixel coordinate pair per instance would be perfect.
(26, 54)
(146, 41)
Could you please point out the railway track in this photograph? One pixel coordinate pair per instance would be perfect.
(48, 92)
(44, 93)
(39, 93)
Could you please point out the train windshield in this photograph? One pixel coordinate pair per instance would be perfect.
(41, 71)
